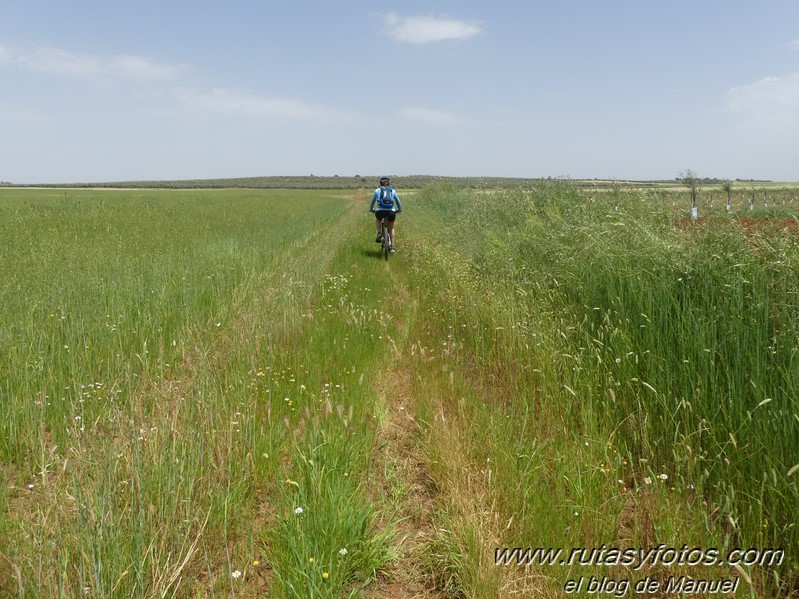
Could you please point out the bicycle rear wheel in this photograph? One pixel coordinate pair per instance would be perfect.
(386, 247)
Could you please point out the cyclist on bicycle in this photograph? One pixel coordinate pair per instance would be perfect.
(388, 205)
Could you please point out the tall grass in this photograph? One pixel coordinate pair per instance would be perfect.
(640, 359)
(193, 387)
(152, 338)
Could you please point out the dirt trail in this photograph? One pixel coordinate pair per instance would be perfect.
(402, 478)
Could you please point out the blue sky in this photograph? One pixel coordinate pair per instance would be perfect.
(108, 91)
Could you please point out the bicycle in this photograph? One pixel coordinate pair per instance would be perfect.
(385, 248)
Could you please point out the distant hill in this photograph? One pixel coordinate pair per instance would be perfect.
(368, 182)
(304, 182)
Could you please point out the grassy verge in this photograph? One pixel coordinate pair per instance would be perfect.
(163, 386)
(613, 380)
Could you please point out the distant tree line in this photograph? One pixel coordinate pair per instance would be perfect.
(714, 181)
(310, 182)
(357, 181)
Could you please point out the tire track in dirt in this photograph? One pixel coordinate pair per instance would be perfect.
(402, 479)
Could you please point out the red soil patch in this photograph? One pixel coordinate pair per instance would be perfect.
(768, 225)
(748, 225)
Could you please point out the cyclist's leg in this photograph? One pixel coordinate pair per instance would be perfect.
(391, 230)
(377, 227)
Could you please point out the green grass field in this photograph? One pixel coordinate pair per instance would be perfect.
(218, 393)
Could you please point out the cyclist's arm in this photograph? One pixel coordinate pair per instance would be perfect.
(374, 201)
(397, 200)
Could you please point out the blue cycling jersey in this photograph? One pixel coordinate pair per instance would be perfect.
(385, 198)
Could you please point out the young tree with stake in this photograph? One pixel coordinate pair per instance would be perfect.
(690, 179)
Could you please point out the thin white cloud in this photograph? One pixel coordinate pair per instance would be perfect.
(427, 116)
(428, 29)
(794, 44)
(233, 103)
(771, 100)
(66, 63)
